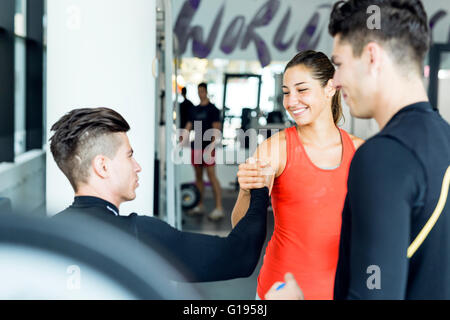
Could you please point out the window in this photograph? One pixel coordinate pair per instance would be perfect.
(21, 76)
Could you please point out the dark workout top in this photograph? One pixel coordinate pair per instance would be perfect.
(201, 257)
(185, 112)
(203, 116)
(394, 185)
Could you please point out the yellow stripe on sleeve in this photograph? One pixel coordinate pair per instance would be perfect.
(434, 217)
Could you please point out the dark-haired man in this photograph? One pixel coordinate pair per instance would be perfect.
(92, 149)
(396, 219)
(202, 119)
(185, 108)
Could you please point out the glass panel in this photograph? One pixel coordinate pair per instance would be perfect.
(444, 86)
(241, 93)
(20, 27)
(19, 97)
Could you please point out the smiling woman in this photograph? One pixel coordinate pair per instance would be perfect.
(317, 71)
(311, 161)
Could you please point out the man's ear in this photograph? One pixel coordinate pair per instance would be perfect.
(373, 55)
(100, 166)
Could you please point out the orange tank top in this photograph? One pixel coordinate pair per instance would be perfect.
(307, 205)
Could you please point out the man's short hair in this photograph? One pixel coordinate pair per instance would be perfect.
(404, 28)
(82, 134)
(203, 85)
(183, 91)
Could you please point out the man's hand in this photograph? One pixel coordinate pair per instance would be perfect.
(291, 291)
(184, 135)
(250, 175)
(183, 138)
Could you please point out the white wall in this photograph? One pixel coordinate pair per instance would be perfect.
(444, 98)
(100, 54)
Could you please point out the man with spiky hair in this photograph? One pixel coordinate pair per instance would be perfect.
(92, 149)
(396, 219)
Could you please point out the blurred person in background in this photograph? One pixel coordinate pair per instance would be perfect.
(202, 118)
(185, 108)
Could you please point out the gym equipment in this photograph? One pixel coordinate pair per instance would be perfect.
(190, 196)
(81, 258)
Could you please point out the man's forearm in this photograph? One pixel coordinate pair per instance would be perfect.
(212, 258)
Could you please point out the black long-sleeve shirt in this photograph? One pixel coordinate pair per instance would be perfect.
(394, 184)
(385, 183)
(201, 257)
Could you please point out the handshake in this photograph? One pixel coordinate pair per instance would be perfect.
(255, 174)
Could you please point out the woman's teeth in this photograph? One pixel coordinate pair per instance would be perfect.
(299, 111)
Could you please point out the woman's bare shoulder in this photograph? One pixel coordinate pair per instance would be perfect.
(274, 150)
(274, 140)
(356, 141)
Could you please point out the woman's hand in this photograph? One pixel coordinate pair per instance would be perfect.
(250, 175)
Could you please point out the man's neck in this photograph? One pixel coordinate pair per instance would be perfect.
(395, 97)
(204, 102)
(92, 192)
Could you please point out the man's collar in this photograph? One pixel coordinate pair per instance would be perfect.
(90, 201)
(423, 105)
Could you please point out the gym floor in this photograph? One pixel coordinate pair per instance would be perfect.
(237, 289)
